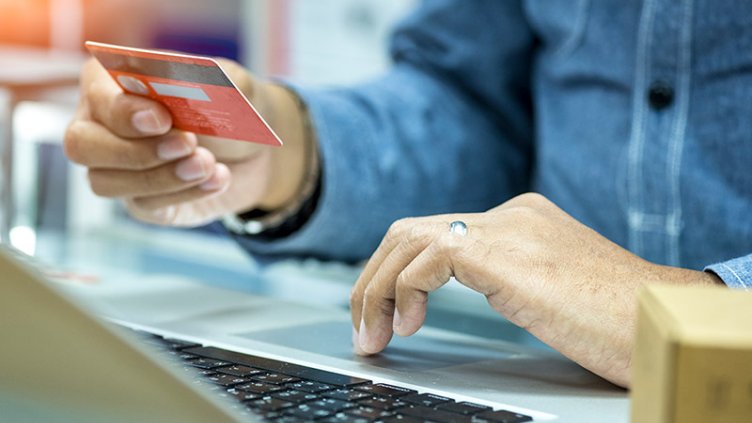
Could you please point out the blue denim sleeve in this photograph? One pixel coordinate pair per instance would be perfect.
(736, 273)
(448, 129)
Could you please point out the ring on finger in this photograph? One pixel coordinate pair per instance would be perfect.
(458, 227)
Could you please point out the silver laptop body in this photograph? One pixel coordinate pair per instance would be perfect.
(62, 358)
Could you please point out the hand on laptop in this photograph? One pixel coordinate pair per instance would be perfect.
(171, 177)
(536, 265)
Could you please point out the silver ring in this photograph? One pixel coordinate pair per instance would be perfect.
(458, 227)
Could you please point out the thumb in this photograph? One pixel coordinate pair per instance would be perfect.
(232, 151)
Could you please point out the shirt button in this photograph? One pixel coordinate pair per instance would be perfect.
(660, 95)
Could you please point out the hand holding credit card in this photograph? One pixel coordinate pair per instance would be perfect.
(196, 90)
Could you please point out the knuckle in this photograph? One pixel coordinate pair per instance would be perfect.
(415, 233)
(449, 244)
(532, 196)
(150, 179)
(374, 301)
(404, 280)
(371, 297)
(411, 295)
(399, 226)
(135, 158)
(533, 200)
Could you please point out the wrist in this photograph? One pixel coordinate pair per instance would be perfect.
(681, 276)
(289, 164)
(273, 221)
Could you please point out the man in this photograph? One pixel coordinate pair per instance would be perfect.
(634, 117)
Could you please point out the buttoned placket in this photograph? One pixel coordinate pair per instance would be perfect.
(659, 120)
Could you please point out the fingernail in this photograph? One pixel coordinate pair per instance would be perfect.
(147, 122)
(191, 169)
(363, 336)
(397, 322)
(173, 148)
(218, 180)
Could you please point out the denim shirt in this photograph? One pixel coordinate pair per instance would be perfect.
(633, 117)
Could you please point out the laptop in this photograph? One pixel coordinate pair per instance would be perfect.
(160, 356)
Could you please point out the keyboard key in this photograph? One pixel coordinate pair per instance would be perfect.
(239, 395)
(274, 378)
(269, 404)
(426, 400)
(278, 418)
(183, 356)
(312, 387)
(239, 370)
(503, 416)
(385, 390)
(177, 344)
(196, 371)
(344, 418)
(384, 403)
(431, 414)
(208, 363)
(259, 388)
(295, 396)
(272, 416)
(226, 380)
(402, 419)
(274, 391)
(346, 394)
(369, 413)
(467, 408)
(278, 366)
(307, 412)
(333, 405)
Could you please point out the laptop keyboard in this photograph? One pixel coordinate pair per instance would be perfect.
(285, 392)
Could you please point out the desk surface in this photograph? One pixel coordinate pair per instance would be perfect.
(136, 251)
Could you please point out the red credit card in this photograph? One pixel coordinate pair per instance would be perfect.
(195, 89)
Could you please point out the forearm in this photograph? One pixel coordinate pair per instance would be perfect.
(384, 157)
(447, 129)
(289, 164)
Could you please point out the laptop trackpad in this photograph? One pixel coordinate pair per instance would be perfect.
(419, 352)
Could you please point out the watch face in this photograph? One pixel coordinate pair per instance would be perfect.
(240, 226)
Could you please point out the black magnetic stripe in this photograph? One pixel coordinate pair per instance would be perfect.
(163, 69)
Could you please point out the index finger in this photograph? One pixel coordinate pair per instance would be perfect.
(391, 240)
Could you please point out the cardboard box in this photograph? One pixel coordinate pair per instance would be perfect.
(693, 356)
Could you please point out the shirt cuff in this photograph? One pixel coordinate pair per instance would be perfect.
(736, 273)
(328, 232)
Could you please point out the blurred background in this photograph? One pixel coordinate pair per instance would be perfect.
(311, 42)
(46, 207)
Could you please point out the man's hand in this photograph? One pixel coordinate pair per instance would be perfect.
(172, 177)
(540, 268)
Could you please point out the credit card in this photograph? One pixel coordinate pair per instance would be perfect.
(195, 89)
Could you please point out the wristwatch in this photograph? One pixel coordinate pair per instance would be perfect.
(267, 225)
